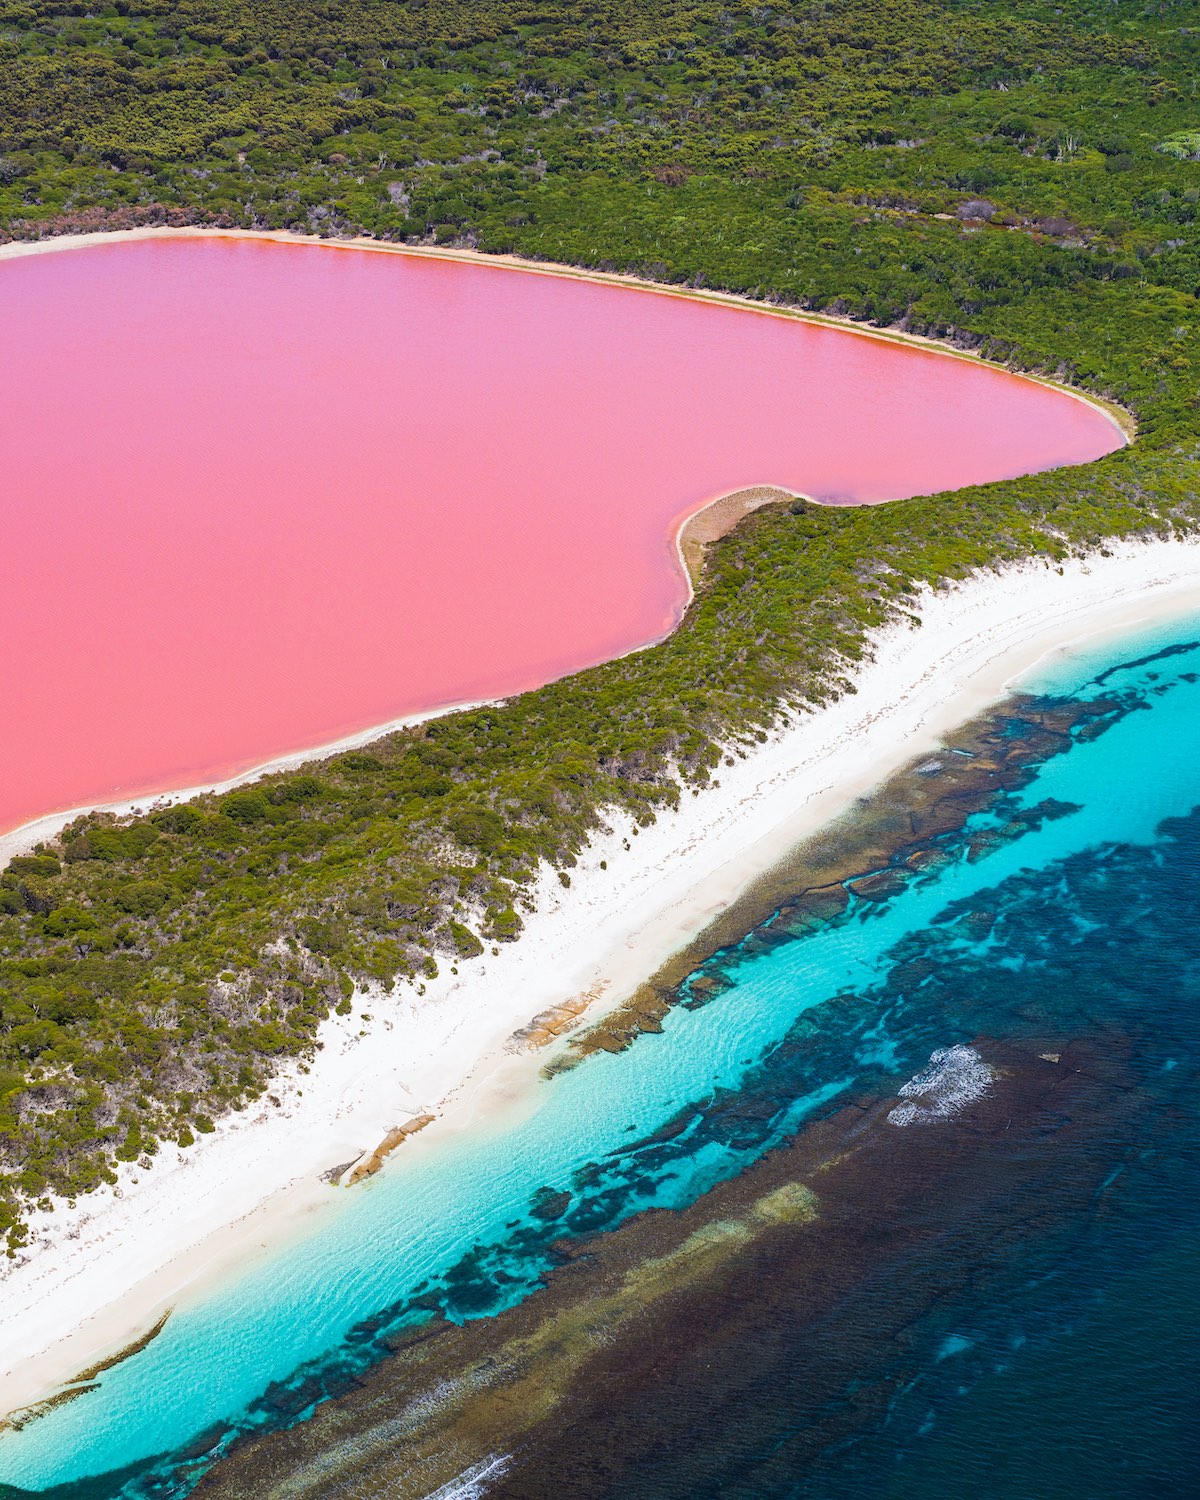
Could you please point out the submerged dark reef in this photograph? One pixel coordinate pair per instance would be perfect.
(657, 1361)
(910, 827)
(760, 1343)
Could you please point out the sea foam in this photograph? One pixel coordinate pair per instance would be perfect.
(470, 1484)
(953, 1077)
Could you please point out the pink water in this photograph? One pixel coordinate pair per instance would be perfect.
(259, 496)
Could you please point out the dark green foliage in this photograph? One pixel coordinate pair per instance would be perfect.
(249, 806)
(1018, 177)
(466, 944)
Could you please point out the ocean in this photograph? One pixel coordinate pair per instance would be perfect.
(896, 1196)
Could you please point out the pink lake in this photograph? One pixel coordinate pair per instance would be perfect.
(259, 496)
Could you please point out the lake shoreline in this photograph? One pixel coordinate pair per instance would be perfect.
(1119, 416)
(709, 520)
(694, 534)
(95, 1278)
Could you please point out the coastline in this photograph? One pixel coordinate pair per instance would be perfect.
(96, 1277)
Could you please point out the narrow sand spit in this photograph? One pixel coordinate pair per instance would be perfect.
(101, 1273)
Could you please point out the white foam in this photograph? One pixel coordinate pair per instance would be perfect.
(470, 1484)
(954, 1077)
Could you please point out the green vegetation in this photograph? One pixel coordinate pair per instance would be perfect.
(1185, 145)
(1012, 175)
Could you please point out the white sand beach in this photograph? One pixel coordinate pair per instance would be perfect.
(99, 1274)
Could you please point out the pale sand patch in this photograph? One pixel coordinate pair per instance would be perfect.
(718, 519)
(100, 1274)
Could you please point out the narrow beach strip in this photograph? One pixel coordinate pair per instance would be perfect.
(99, 1274)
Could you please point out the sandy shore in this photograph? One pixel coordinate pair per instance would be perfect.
(99, 1274)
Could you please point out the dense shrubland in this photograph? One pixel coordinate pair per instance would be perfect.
(1016, 176)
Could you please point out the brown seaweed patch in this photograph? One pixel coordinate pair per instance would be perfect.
(642, 1012)
(881, 886)
(127, 1352)
(21, 1418)
(84, 1382)
(924, 860)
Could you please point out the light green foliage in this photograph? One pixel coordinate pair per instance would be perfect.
(1185, 145)
(985, 171)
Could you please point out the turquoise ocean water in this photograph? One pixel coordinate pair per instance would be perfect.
(1083, 1368)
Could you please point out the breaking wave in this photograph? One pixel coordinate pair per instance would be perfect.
(470, 1483)
(954, 1076)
